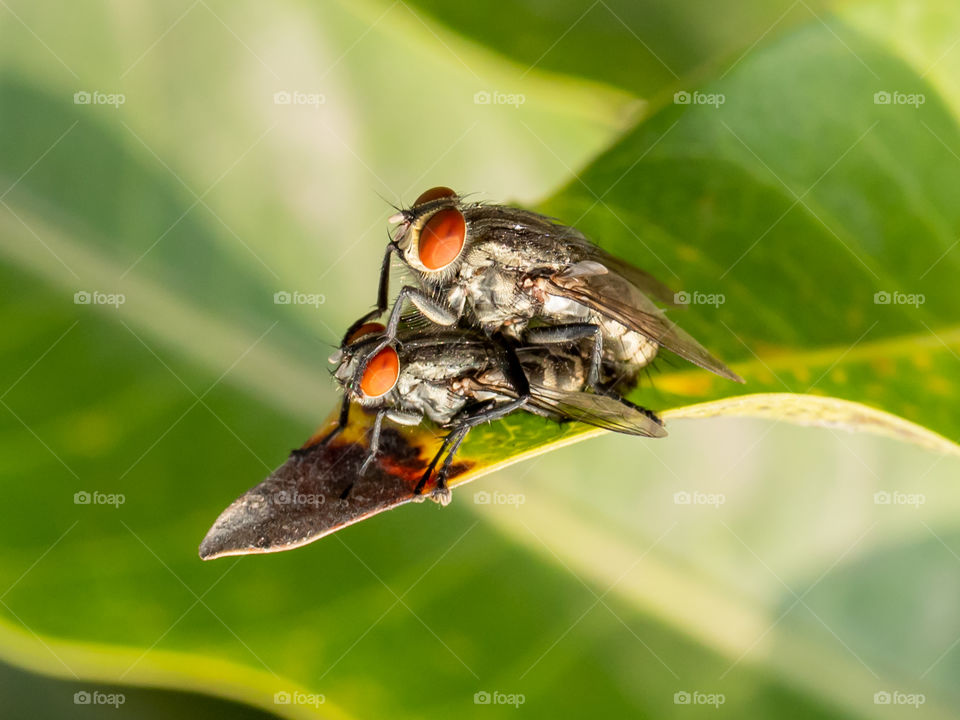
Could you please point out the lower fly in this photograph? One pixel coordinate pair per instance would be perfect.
(459, 379)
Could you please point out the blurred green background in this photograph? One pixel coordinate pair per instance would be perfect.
(257, 148)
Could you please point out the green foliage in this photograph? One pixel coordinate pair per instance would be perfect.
(797, 199)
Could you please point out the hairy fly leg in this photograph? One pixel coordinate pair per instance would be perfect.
(485, 412)
(342, 420)
(447, 440)
(571, 332)
(374, 442)
(457, 435)
(452, 441)
(433, 310)
(639, 408)
(383, 290)
(372, 453)
(401, 417)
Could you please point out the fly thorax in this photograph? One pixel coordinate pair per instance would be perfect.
(441, 404)
(429, 398)
(493, 296)
(407, 384)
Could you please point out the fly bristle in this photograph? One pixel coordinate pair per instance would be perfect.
(395, 207)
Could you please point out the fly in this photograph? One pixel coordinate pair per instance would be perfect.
(459, 379)
(515, 273)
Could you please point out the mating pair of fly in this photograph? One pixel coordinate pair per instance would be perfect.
(529, 315)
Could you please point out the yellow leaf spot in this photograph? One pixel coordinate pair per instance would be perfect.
(691, 384)
(923, 361)
(687, 253)
(884, 367)
(802, 374)
(939, 384)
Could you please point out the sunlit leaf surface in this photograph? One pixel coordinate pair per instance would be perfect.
(599, 580)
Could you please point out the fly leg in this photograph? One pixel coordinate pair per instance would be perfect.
(401, 417)
(485, 412)
(568, 333)
(383, 290)
(371, 455)
(432, 309)
(441, 492)
(433, 463)
(451, 443)
(639, 408)
(374, 442)
(342, 420)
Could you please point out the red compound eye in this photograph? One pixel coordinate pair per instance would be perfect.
(441, 239)
(365, 329)
(381, 373)
(435, 194)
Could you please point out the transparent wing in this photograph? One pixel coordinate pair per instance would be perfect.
(598, 410)
(616, 297)
(641, 279)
